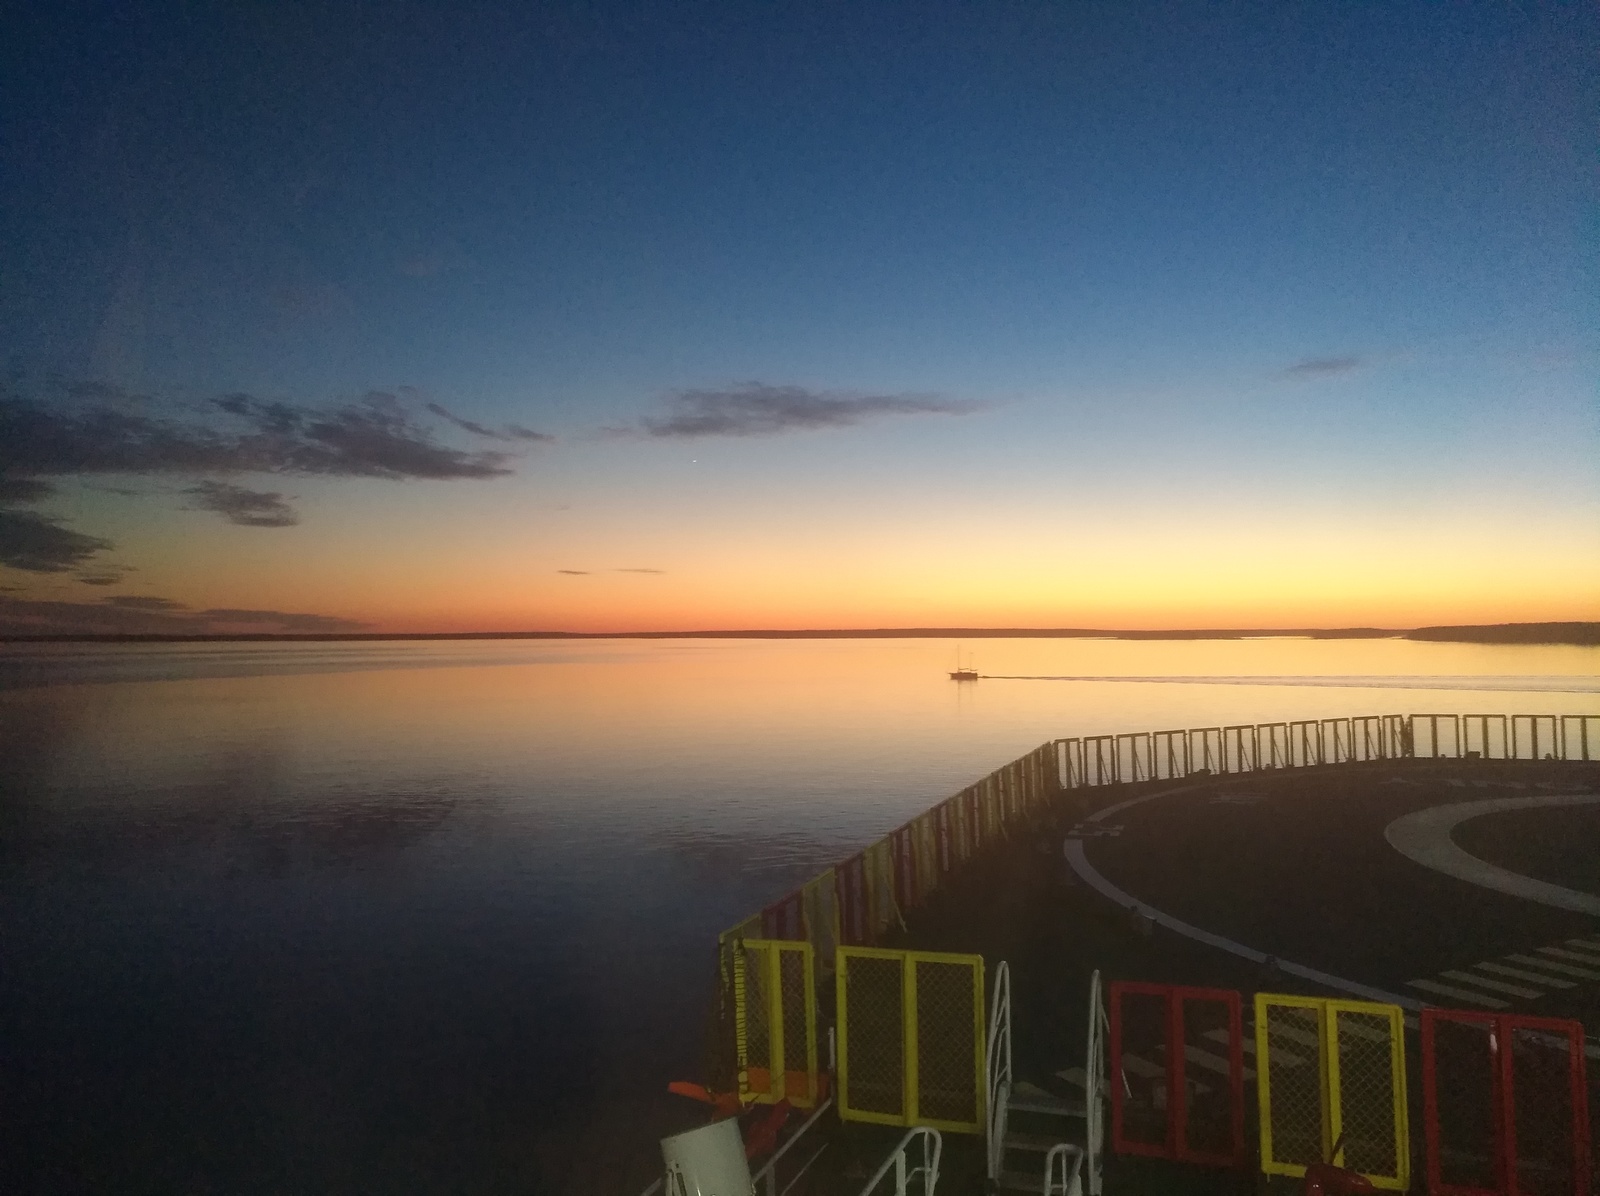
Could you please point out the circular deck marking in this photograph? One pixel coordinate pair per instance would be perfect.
(1425, 838)
(1079, 862)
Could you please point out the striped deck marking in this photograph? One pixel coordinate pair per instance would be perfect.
(1078, 861)
(1550, 965)
(1458, 994)
(1143, 1068)
(1585, 945)
(1424, 836)
(1500, 969)
(1499, 986)
(1201, 1057)
(1563, 953)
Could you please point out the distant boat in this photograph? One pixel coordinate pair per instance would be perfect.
(962, 674)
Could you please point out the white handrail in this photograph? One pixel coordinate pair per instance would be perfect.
(1062, 1167)
(1094, 1083)
(997, 1069)
(932, 1147)
(767, 1173)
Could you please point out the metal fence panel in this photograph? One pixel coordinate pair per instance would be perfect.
(1580, 737)
(871, 996)
(1486, 734)
(1171, 750)
(1367, 1084)
(1305, 743)
(1141, 1107)
(1205, 749)
(911, 1038)
(1534, 736)
(1272, 745)
(948, 1036)
(1291, 1083)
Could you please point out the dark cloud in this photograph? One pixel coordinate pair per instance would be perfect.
(375, 437)
(41, 545)
(518, 432)
(247, 508)
(1321, 367)
(24, 489)
(574, 572)
(509, 432)
(103, 577)
(281, 620)
(755, 409)
(141, 602)
(154, 616)
(641, 570)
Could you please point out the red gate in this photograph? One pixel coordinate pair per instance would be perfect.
(1505, 1105)
(1177, 1073)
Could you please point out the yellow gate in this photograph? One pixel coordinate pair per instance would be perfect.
(911, 1038)
(1331, 1086)
(775, 1021)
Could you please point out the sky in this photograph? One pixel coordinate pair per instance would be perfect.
(470, 317)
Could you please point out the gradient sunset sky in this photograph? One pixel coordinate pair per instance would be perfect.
(446, 317)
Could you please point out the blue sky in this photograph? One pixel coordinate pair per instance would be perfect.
(1231, 258)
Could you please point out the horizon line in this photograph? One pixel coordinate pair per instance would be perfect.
(1579, 633)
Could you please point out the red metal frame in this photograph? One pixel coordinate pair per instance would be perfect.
(1503, 1150)
(1176, 1145)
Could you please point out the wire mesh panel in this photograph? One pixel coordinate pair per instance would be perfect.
(1208, 1058)
(1460, 1102)
(1367, 1083)
(871, 995)
(947, 1062)
(754, 998)
(795, 1050)
(820, 899)
(1291, 1083)
(1547, 1149)
(1141, 1112)
(850, 883)
(1205, 749)
(911, 1040)
(1506, 1105)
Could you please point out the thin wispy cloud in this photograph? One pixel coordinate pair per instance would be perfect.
(149, 615)
(574, 572)
(509, 432)
(245, 507)
(756, 409)
(641, 570)
(1323, 367)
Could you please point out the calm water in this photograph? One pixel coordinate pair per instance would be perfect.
(439, 917)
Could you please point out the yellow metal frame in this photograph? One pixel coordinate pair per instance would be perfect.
(910, 1114)
(1328, 1087)
(773, 951)
(1333, 1102)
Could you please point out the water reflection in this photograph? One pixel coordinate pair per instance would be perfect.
(439, 917)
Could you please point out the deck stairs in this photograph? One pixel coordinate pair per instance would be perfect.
(1037, 1141)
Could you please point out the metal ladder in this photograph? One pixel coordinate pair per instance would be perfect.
(1046, 1158)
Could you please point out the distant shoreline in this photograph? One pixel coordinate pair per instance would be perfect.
(1577, 634)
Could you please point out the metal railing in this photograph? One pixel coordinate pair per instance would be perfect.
(766, 1180)
(997, 1068)
(1095, 1088)
(1063, 1167)
(898, 1163)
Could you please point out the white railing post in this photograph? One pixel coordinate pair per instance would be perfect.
(932, 1148)
(997, 1070)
